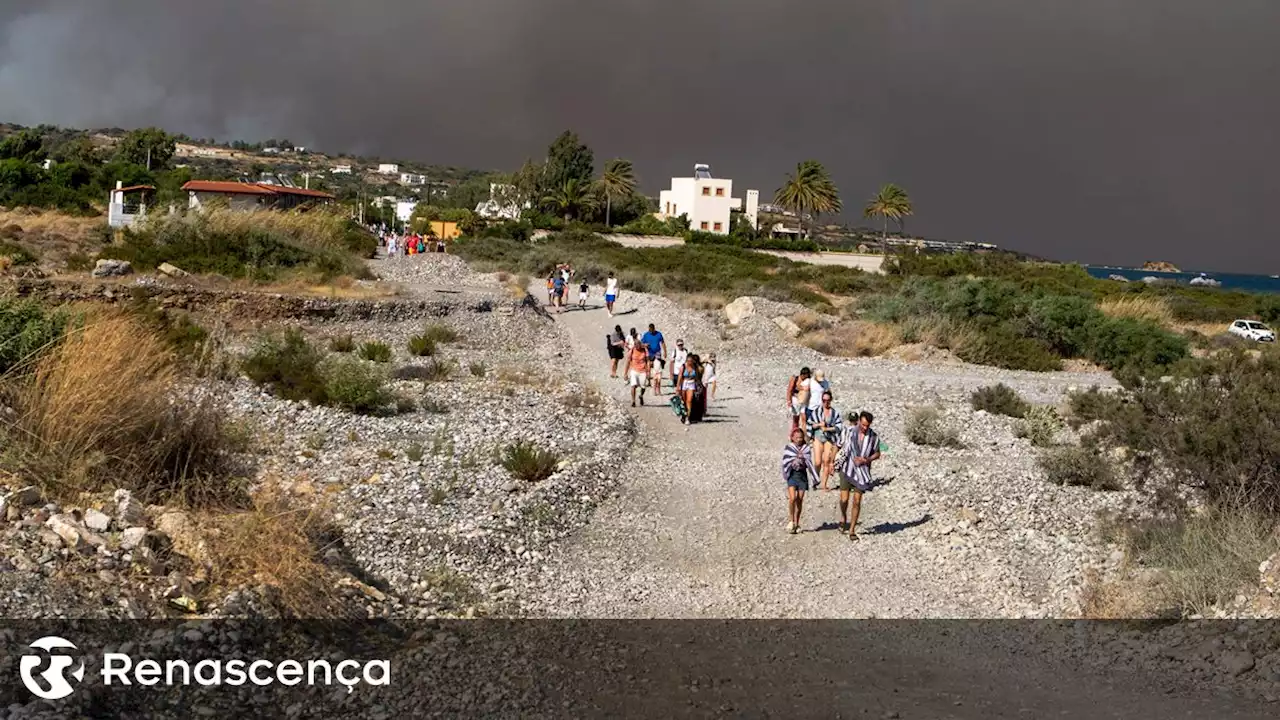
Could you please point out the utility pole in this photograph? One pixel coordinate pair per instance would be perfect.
(148, 157)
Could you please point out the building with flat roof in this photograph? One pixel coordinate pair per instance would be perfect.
(252, 196)
(707, 201)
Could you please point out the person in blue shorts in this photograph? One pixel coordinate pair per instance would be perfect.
(557, 284)
(657, 347)
(799, 474)
(610, 293)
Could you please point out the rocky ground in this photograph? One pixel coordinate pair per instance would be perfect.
(644, 518)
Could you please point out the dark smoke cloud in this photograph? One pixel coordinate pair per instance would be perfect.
(1109, 131)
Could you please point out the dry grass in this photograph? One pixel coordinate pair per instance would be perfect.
(102, 410)
(702, 301)
(1152, 309)
(278, 542)
(1104, 598)
(340, 288)
(319, 229)
(588, 400)
(516, 375)
(853, 339)
(52, 236)
(809, 321)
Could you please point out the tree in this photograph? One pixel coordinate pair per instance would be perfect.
(24, 146)
(151, 148)
(617, 181)
(568, 158)
(571, 199)
(809, 192)
(891, 203)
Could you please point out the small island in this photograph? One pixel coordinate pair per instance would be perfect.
(1160, 266)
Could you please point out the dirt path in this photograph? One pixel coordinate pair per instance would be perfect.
(699, 530)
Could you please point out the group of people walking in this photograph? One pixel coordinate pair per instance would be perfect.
(412, 244)
(647, 360)
(822, 445)
(561, 279)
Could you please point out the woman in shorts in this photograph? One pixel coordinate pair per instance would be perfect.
(825, 429)
(617, 345)
(688, 384)
(799, 475)
(610, 293)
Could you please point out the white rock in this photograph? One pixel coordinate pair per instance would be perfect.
(96, 520)
(787, 326)
(739, 310)
(132, 537)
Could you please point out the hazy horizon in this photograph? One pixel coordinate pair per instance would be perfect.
(1107, 131)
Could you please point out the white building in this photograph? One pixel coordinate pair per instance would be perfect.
(412, 179)
(341, 169)
(502, 203)
(404, 209)
(127, 205)
(388, 169)
(705, 200)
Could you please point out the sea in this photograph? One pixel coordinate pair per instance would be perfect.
(1230, 281)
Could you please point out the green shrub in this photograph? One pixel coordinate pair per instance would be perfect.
(925, 426)
(78, 262)
(529, 463)
(1000, 400)
(421, 346)
(27, 330)
(1125, 343)
(1040, 425)
(375, 351)
(478, 368)
(288, 366)
(1062, 322)
(415, 452)
(17, 254)
(1214, 427)
(1077, 466)
(1000, 346)
(356, 386)
(342, 343)
(1090, 405)
(440, 334)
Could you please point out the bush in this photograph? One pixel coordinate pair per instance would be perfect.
(1040, 424)
(288, 366)
(1000, 400)
(1077, 466)
(529, 463)
(375, 351)
(433, 370)
(27, 330)
(1136, 345)
(925, 426)
(421, 346)
(1000, 346)
(17, 254)
(342, 343)
(440, 334)
(479, 369)
(1062, 322)
(356, 387)
(1210, 556)
(103, 410)
(1091, 405)
(1214, 427)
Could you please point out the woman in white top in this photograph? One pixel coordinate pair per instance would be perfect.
(709, 376)
(817, 386)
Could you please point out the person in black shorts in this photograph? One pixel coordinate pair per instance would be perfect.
(616, 342)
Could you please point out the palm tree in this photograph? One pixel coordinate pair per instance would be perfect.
(571, 199)
(891, 203)
(809, 191)
(617, 180)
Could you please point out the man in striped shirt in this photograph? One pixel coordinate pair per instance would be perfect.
(860, 447)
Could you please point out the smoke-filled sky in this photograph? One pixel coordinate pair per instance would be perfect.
(1104, 131)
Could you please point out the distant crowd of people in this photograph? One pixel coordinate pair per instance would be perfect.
(562, 278)
(648, 360)
(402, 244)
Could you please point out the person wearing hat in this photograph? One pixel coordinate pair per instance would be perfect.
(678, 355)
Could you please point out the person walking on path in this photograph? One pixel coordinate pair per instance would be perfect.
(709, 376)
(817, 386)
(826, 428)
(685, 382)
(551, 289)
(678, 356)
(638, 367)
(558, 284)
(798, 397)
(799, 475)
(617, 345)
(582, 295)
(656, 344)
(610, 292)
(859, 447)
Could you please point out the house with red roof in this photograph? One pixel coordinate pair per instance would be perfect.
(252, 196)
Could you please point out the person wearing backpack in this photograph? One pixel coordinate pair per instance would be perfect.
(616, 344)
